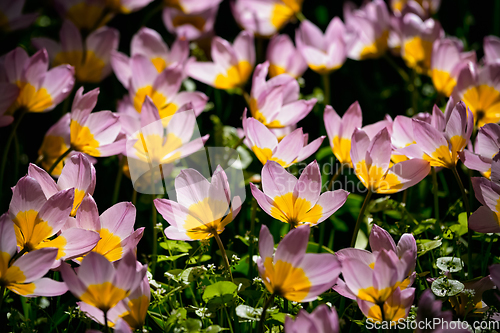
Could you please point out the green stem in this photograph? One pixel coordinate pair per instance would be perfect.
(400, 71)
(487, 257)
(240, 141)
(469, 233)
(229, 320)
(224, 254)
(155, 238)
(59, 159)
(253, 215)
(106, 321)
(414, 92)
(118, 180)
(134, 197)
(18, 255)
(263, 315)
(326, 88)
(300, 16)
(337, 174)
(2, 292)
(7, 147)
(435, 193)
(360, 217)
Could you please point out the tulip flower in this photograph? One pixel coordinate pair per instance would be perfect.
(275, 103)
(291, 149)
(132, 310)
(284, 57)
(94, 133)
(424, 7)
(367, 29)
(155, 143)
(12, 17)
(24, 275)
(92, 62)
(191, 6)
(203, 209)
(486, 218)
(101, 284)
(291, 272)
(162, 88)
(40, 90)
(231, 66)
(446, 63)
(191, 26)
(429, 310)
(293, 201)
(78, 174)
(38, 221)
(479, 89)
(371, 160)
(264, 18)
(115, 226)
(442, 148)
(323, 53)
(406, 251)
(9, 93)
(340, 130)
(486, 148)
(149, 43)
(470, 301)
(321, 320)
(417, 39)
(395, 307)
(491, 46)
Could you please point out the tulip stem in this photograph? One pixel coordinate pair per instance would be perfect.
(154, 253)
(469, 232)
(106, 321)
(223, 253)
(393, 64)
(435, 193)
(240, 141)
(253, 214)
(118, 180)
(326, 88)
(22, 112)
(263, 315)
(59, 159)
(337, 174)
(2, 292)
(360, 218)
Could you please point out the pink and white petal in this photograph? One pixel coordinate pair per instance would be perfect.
(308, 187)
(148, 42)
(119, 219)
(244, 47)
(488, 140)
(457, 121)
(205, 72)
(491, 47)
(127, 277)
(357, 275)
(15, 62)
(310, 34)
(223, 54)
(27, 195)
(169, 81)
(266, 243)
(407, 248)
(437, 119)
(95, 314)
(36, 68)
(191, 187)
(486, 191)
(78, 173)
(87, 216)
(179, 51)
(104, 125)
(182, 125)
(188, 149)
(366, 257)
(263, 200)
(475, 162)
(59, 82)
(77, 242)
(289, 148)
(335, 30)
(34, 264)
(83, 104)
(380, 150)
(322, 270)
(197, 99)
(409, 173)
(292, 248)
(143, 72)
(259, 135)
(276, 181)
(175, 233)
(484, 220)
(47, 183)
(8, 242)
(130, 242)
(381, 239)
(359, 146)
(48, 288)
(385, 272)
(332, 123)
(427, 137)
(351, 120)
(343, 290)
(95, 269)
(56, 210)
(70, 37)
(402, 132)
(75, 285)
(115, 148)
(292, 113)
(121, 67)
(330, 202)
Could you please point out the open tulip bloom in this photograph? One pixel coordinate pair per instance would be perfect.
(102, 284)
(12, 16)
(291, 272)
(293, 201)
(276, 102)
(486, 218)
(194, 25)
(231, 66)
(291, 149)
(92, 62)
(38, 221)
(486, 148)
(9, 93)
(491, 46)
(321, 320)
(283, 57)
(24, 275)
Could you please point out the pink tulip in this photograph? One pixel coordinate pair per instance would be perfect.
(203, 208)
(323, 53)
(85, 14)
(367, 29)
(231, 66)
(191, 6)
(416, 41)
(424, 8)
(396, 307)
(291, 272)
(291, 149)
(92, 62)
(94, 133)
(486, 218)
(293, 201)
(276, 102)
(491, 46)
(321, 320)
(9, 93)
(40, 90)
(486, 148)
(283, 57)
(479, 88)
(38, 221)
(372, 164)
(193, 25)
(12, 16)
(24, 276)
(101, 284)
(446, 63)
(78, 174)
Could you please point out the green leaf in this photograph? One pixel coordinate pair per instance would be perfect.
(442, 287)
(313, 248)
(220, 293)
(324, 152)
(197, 259)
(423, 226)
(248, 313)
(279, 317)
(450, 264)
(426, 245)
(170, 258)
(215, 329)
(179, 246)
(192, 273)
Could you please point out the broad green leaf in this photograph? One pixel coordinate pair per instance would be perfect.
(426, 245)
(170, 258)
(219, 293)
(248, 313)
(450, 264)
(179, 246)
(443, 287)
(197, 259)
